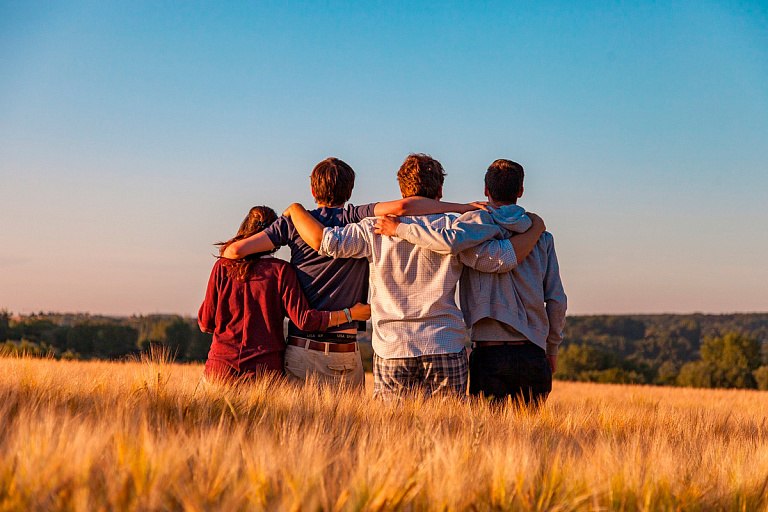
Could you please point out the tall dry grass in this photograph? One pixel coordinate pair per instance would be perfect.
(148, 436)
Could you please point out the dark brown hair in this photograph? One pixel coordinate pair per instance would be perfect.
(504, 180)
(258, 218)
(332, 182)
(420, 175)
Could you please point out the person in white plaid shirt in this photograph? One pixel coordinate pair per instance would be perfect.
(418, 330)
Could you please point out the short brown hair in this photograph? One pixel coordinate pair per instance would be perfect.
(332, 182)
(504, 180)
(420, 175)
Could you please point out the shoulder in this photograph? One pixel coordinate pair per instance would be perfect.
(475, 217)
(279, 223)
(365, 224)
(547, 240)
(275, 263)
(276, 267)
(352, 213)
(277, 231)
(219, 265)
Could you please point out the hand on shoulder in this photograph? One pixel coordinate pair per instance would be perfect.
(387, 225)
(537, 222)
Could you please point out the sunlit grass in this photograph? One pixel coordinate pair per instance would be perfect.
(149, 435)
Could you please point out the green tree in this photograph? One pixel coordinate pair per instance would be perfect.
(667, 374)
(102, 340)
(114, 341)
(4, 325)
(199, 345)
(697, 374)
(575, 362)
(732, 350)
(761, 377)
(726, 362)
(36, 329)
(81, 338)
(177, 337)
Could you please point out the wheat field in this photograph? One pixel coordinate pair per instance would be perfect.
(148, 435)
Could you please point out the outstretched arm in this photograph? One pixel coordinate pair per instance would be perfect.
(461, 238)
(309, 228)
(259, 242)
(349, 241)
(417, 205)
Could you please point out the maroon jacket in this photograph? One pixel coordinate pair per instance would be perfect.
(246, 317)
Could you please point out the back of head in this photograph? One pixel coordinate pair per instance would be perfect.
(332, 182)
(421, 175)
(504, 180)
(257, 220)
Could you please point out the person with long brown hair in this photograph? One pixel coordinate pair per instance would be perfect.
(246, 302)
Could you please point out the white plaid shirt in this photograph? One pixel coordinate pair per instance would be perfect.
(413, 306)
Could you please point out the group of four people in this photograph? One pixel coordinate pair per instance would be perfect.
(414, 256)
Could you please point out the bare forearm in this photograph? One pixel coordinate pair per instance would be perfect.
(417, 205)
(524, 243)
(359, 312)
(308, 227)
(259, 242)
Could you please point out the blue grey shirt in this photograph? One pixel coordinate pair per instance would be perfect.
(529, 299)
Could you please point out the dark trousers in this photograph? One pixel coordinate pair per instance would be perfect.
(521, 372)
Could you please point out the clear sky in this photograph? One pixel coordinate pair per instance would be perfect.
(133, 136)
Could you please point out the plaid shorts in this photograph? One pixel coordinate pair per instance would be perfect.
(434, 375)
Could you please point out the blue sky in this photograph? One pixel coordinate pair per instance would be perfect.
(133, 135)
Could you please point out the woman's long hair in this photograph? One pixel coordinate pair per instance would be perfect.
(258, 218)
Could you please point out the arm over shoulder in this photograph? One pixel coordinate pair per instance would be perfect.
(354, 214)
(350, 241)
(467, 231)
(493, 256)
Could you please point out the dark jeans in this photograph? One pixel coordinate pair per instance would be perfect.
(521, 372)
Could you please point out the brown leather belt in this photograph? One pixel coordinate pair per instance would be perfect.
(479, 344)
(322, 346)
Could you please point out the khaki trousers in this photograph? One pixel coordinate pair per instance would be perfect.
(346, 368)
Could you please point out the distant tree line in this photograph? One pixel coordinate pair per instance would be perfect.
(723, 351)
(706, 351)
(82, 336)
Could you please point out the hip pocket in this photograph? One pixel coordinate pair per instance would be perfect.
(342, 368)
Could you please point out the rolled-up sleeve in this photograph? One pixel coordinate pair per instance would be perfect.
(350, 241)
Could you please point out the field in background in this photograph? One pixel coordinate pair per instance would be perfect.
(149, 436)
